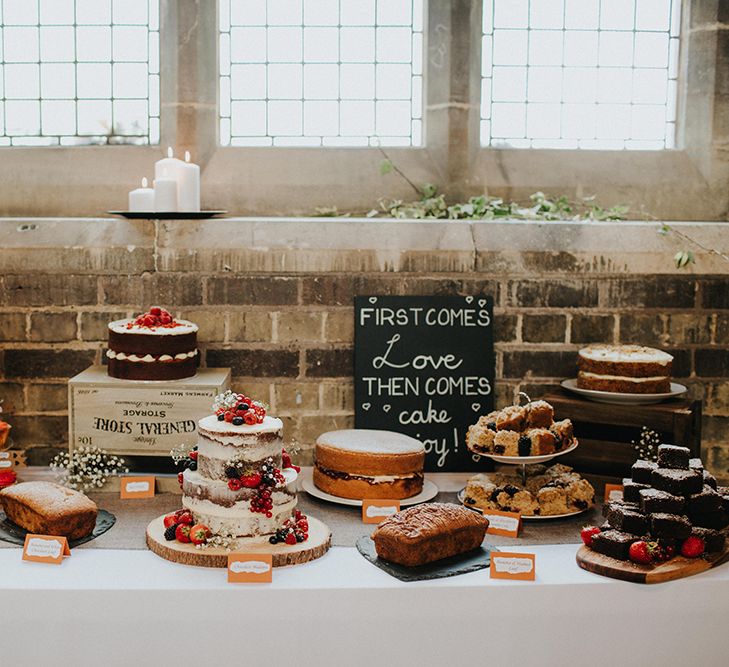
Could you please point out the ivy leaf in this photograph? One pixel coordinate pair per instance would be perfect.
(683, 258)
(386, 167)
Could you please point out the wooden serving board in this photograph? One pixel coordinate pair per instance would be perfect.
(320, 539)
(676, 568)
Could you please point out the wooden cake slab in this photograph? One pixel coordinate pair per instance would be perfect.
(676, 568)
(320, 539)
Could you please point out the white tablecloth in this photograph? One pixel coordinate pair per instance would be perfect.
(109, 607)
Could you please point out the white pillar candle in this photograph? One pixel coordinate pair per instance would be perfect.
(188, 185)
(167, 167)
(165, 193)
(141, 199)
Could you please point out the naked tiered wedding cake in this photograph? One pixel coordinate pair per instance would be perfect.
(236, 480)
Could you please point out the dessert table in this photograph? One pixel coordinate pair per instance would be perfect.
(340, 609)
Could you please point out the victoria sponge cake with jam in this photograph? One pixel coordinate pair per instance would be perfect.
(628, 369)
(364, 463)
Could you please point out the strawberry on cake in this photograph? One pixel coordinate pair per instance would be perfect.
(627, 369)
(153, 346)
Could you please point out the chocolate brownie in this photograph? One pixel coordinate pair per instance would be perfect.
(714, 539)
(706, 501)
(723, 491)
(696, 464)
(672, 456)
(641, 471)
(613, 543)
(717, 520)
(631, 490)
(619, 503)
(654, 500)
(628, 521)
(670, 525)
(709, 479)
(677, 482)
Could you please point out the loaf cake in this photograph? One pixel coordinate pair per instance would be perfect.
(548, 492)
(153, 346)
(45, 508)
(627, 369)
(4, 433)
(528, 430)
(364, 463)
(426, 533)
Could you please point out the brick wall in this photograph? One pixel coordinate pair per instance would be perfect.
(287, 334)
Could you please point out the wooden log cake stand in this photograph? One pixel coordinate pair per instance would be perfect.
(318, 543)
(676, 568)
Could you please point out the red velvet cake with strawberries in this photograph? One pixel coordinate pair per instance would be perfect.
(153, 346)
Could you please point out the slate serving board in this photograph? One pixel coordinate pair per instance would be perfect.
(11, 532)
(472, 561)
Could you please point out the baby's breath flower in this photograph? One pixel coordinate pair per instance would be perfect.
(86, 468)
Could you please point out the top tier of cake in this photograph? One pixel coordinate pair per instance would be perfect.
(153, 346)
(371, 441)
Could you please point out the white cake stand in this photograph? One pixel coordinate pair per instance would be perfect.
(524, 461)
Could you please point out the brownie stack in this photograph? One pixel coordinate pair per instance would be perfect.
(666, 501)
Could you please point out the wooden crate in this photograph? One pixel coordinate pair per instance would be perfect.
(139, 418)
(605, 431)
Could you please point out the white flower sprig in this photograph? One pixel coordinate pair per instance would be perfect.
(647, 445)
(180, 453)
(86, 468)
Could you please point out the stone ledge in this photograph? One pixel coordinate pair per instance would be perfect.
(300, 245)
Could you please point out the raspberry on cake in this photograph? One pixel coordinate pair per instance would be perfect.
(366, 463)
(153, 346)
(628, 369)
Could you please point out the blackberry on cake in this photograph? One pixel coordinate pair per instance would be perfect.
(672, 456)
(153, 346)
(629, 369)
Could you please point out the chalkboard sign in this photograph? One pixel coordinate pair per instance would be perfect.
(424, 366)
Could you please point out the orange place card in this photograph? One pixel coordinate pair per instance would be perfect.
(137, 487)
(45, 548)
(250, 568)
(376, 510)
(513, 566)
(507, 524)
(613, 492)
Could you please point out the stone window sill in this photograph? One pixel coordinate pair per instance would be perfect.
(282, 245)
